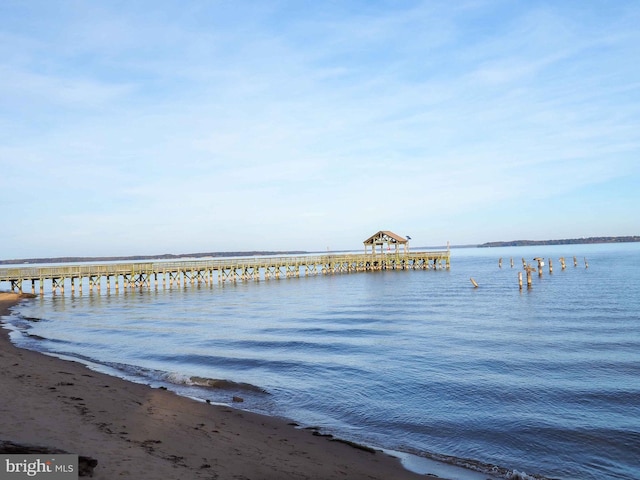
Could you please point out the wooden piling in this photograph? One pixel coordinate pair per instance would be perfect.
(475, 285)
(540, 264)
(500, 262)
(529, 269)
(550, 266)
(520, 280)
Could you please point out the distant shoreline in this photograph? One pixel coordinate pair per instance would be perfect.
(166, 256)
(170, 256)
(566, 241)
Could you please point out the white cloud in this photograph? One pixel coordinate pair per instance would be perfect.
(265, 120)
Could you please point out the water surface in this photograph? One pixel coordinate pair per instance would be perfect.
(544, 381)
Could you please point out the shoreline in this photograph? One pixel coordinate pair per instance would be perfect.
(136, 431)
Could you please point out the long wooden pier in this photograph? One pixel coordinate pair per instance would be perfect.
(148, 274)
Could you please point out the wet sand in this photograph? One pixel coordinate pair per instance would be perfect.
(135, 431)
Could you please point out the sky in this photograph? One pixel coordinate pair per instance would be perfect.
(154, 127)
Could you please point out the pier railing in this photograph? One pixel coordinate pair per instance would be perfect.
(142, 274)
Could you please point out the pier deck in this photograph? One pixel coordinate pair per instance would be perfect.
(146, 274)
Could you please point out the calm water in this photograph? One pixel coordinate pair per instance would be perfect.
(544, 381)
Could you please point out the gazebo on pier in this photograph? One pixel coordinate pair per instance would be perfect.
(385, 238)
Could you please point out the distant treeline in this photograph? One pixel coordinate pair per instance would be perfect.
(166, 256)
(566, 241)
(171, 256)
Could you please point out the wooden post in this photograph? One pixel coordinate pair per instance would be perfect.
(33, 287)
(586, 264)
(500, 262)
(575, 261)
(529, 269)
(540, 264)
(520, 280)
(564, 265)
(511, 262)
(550, 266)
(475, 285)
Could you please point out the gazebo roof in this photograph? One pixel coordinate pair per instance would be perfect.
(384, 236)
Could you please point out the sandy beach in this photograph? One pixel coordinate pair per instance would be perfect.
(135, 431)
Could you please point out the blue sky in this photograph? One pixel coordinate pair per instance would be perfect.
(155, 127)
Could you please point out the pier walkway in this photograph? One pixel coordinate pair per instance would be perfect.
(146, 274)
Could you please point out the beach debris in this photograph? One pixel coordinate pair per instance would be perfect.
(354, 445)
(237, 399)
(218, 384)
(516, 475)
(148, 445)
